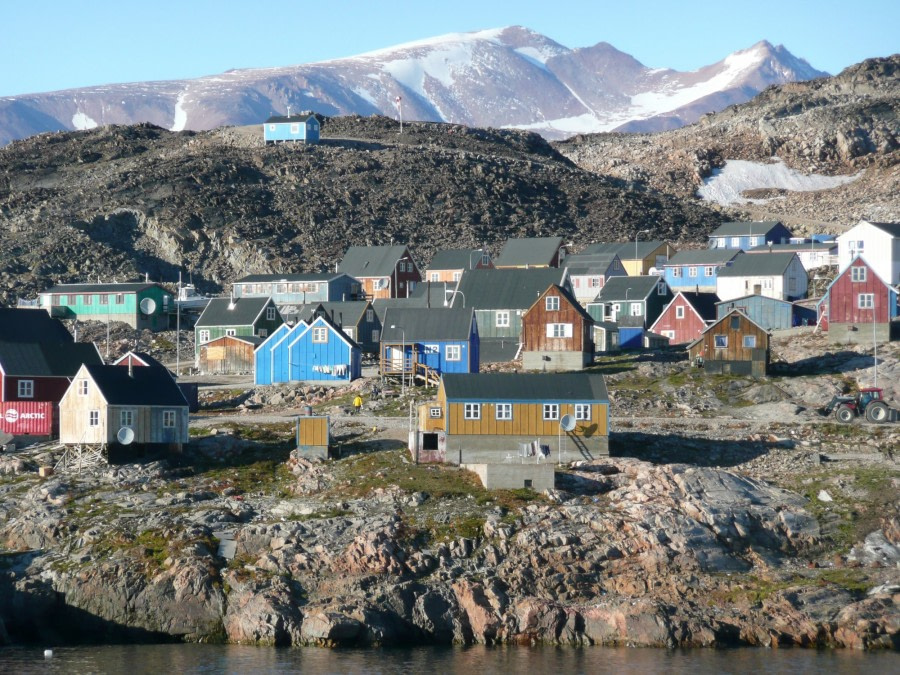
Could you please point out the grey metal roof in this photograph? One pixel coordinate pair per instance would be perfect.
(233, 312)
(758, 265)
(372, 261)
(37, 359)
(274, 278)
(528, 251)
(626, 249)
(750, 228)
(137, 386)
(758, 298)
(637, 288)
(101, 288)
(419, 324)
(530, 387)
(433, 293)
(589, 263)
(31, 325)
(275, 119)
(794, 248)
(456, 259)
(705, 256)
(497, 350)
(892, 229)
(703, 303)
(506, 288)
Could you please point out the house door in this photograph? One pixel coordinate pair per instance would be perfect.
(396, 359)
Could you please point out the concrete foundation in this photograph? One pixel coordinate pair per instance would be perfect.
(486, 449)
(555, 361)
(313, 451)
(514, 476)
(858, 334)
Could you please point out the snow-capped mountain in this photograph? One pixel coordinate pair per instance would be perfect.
(507, 77)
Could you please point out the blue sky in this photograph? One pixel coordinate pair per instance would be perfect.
(54, 45)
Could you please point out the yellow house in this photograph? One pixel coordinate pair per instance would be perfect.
(638, 257)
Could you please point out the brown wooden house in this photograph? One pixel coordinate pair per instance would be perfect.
(229, 354)
(734, 344)
(556, 333)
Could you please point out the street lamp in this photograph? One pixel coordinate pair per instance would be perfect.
(453, 297)
(402, 358)
(640, 267)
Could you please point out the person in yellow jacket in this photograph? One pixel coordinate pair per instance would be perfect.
(357, 403)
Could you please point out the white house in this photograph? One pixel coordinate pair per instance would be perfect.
(878, 242)
(771, 275)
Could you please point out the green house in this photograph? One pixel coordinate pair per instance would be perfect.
(236, 316)
(141, 305)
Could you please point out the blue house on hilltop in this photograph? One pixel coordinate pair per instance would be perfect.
(303, 128)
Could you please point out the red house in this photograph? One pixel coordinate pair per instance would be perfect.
(31, 371)
(686, 317)
(858, 306)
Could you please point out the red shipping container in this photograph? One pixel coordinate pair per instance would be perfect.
(27, 418)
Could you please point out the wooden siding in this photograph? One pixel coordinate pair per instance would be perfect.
(769, 313)
(686, 329)
(488, 328)
(45, 388)
(527, 420)
(843, 298)
(735, 351)
(89, 307)
(537, 317)
(312, 431)
(226, 356)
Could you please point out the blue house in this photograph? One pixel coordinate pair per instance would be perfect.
(770, 313)
(263, 357)
(697, 271)
(424, 343)
(303, 128)
(319, 351)
(747, 235)
(298, 289)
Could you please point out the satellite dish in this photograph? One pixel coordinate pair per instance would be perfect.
(148, 305)
(125, 435)
(567, 423)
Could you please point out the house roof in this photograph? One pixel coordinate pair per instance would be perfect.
(758, 298)
(143, 357)
(320, 321)
(531, 387)
(31, 325)
(589, 263)
(506, 288)
(372, 261)
(433, 294)
(795, 248)
(101, 288)
(271, 278)
(232, 312)
(420, 324)
(892, 229)
(750, 228)
(705, 256)
(38, 359)
(758, 265)
(626, 249)
(637, 288)
(292, 118)
(136, 386)
(528, 251)
(556, 289)
(456, 259)
(254, 340)
(717, 323)
(341, 313)
(703, 303)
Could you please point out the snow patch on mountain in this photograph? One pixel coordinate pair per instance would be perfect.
(180, 114)
(727, 184)
(80, 121)
(438, 64)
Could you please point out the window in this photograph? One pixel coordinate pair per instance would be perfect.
(376, 335)
(434, 412)
(754, 241)
(230, 332)
(104, 299)
(551, 303)
(126, 418)
(692, 271)
(86, 299)
(401, 266)
(434, 276)
(320, 334)
(485, 259)
(857, 246)
(430, 349)
(370, 315)
(63, 299)
(457, 276)
(709, 271)
(348, 332)
(120, 299)
(857, 274)
(636, 309)
(661, 288)
(865, 301)
(263, 332)
(551, 411)
(595, 282)
(471, 411)
(679, 312)
(453, 353)
(750, 341)
(82, 387)
(93, 418)
(168, 419)
(204, 336)
(720, 341)
(676, 272)
(582, 411)
(668, 333)
(295, 128)
(503, 411)
(502, 320)
(735, 323)
(735, 242)
(559, 330)
(270, 313)
(26, 389)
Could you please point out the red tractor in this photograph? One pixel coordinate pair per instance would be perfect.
(868, 403)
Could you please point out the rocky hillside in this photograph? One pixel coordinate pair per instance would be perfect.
(844, 125)
(120, 202)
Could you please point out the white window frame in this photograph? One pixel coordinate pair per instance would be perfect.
(720, 341)
(583, 412)
(434, 276)
(551, 303)
(661, 288)
(551, 411)
(559, 330)
(230, 332)
(503, 412)
(320, 334)
(635, 309)
(865, 301)
(595, 282)
(749, 341)
(168, 420)
(502, 319)
(435, 412)
(295, 128)
(453, 353)
(692, 271)
(25, 389)
(203, 336)
(348, 331)
(679, 312)
(370, 315)
(709, 271)
(858, 274)
(456, 276)
(471, 411)
(82, 387)
(676, 272)
(126, 418)
(93, 418)
(376, 335)
(735, 242)
(270, 313)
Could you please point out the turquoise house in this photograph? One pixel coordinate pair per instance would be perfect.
(303, 128)
(141, 305)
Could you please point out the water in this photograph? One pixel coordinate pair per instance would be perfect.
(178, 659)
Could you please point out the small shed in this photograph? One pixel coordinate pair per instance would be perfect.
(229, 354)
(313, 436)
(302, 128)
(734, 344)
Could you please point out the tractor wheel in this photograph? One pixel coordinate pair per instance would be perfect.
(877, 412)
(844, 414)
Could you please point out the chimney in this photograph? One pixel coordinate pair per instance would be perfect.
(130, 366)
